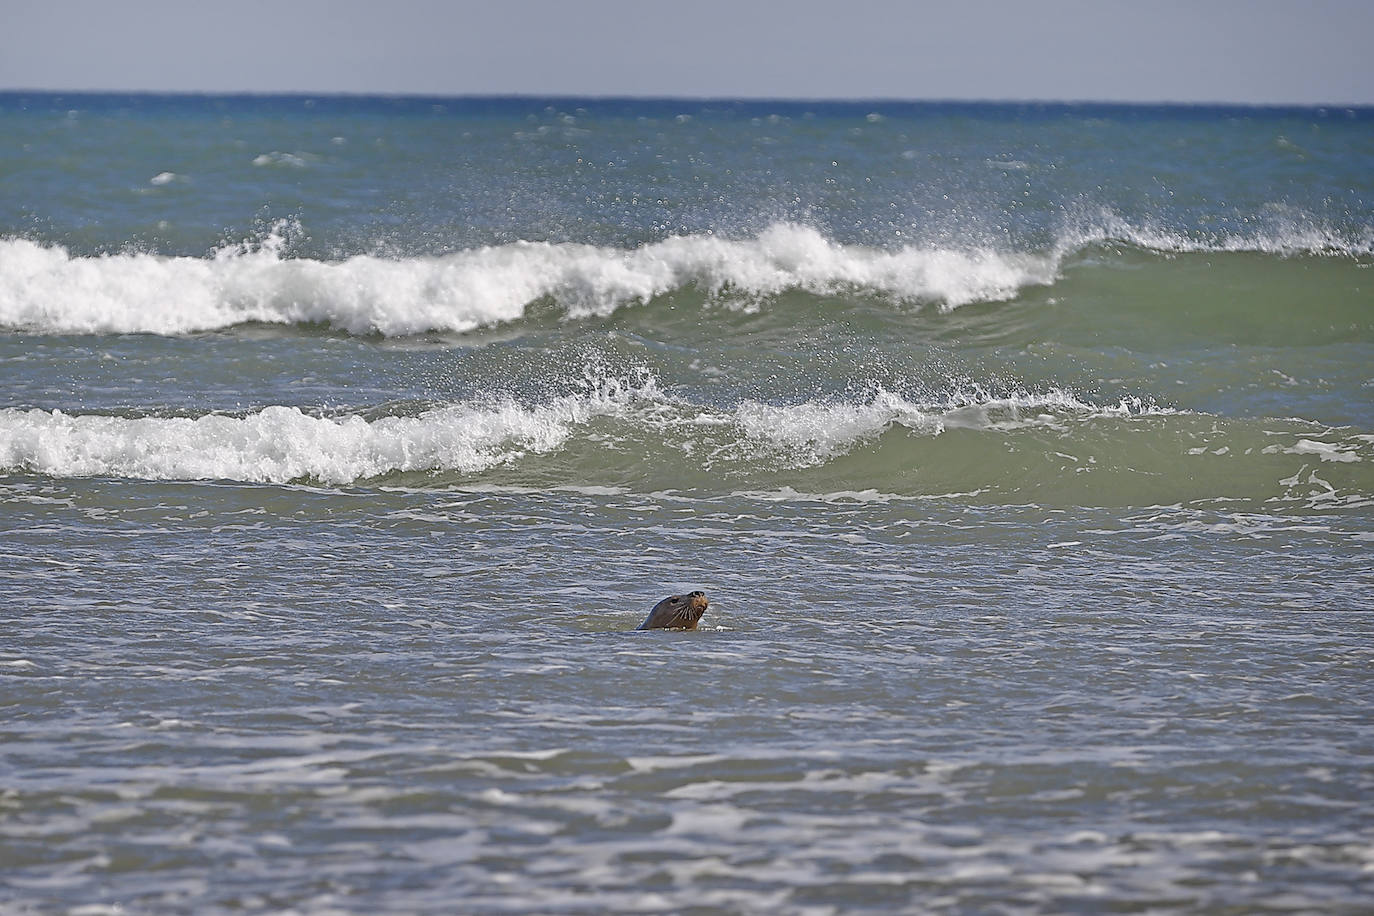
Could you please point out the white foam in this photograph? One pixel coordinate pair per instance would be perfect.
(1280, 232)
(826, 430)
(278, 158)
(44, 288)
(813, 433)
(279, 444)
(1326, 451)
(47, 289)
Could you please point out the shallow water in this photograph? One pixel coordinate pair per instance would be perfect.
(1035, 523)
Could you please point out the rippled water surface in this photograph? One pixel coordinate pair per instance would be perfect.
(234, 697)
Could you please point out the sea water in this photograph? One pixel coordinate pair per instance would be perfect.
(1026, 453)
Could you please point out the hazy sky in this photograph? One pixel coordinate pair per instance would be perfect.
(1254, 51)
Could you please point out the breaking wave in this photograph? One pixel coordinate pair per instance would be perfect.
(279, 444)
(46, 289)
(1050, 447)
(1276, 232)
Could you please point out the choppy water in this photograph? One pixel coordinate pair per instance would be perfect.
(1025, 453)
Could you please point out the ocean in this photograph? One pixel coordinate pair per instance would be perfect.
(1025, 452)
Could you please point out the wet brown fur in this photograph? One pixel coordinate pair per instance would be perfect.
(677, 612)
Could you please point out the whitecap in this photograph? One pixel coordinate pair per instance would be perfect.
(279, 444)
(1276, 231)
(278, 158)
(44, 288)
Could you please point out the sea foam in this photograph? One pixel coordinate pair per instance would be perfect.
(46, 289)
(278, 444)
(815, 432)
(1277, 231)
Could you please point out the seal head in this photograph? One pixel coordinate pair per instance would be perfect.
(676, 612)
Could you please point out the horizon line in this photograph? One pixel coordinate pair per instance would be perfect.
(631, 97)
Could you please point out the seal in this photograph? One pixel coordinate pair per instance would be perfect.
(676, 612)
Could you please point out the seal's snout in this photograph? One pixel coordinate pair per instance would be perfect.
(698, 601)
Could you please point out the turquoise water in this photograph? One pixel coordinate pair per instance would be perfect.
(1024, 452)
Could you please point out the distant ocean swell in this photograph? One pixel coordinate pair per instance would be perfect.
(46, 289)
(1051, 446)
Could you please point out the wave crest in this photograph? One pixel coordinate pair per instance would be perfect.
(1277, 231)
(278, 444)
(48, 290)
(1049, 449)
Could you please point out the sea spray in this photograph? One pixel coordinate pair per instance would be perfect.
(47, 289)
(1052, 446)
(279, 444)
